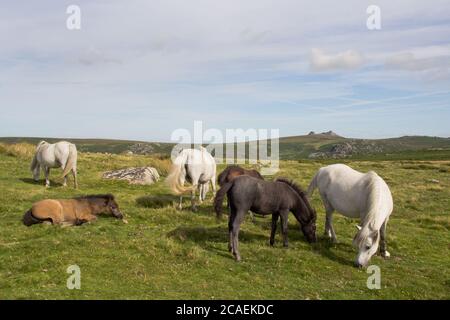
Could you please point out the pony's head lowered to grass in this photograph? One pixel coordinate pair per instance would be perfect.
(367, 241)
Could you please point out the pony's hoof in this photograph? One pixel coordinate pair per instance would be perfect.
(385, 254)
(238, 258)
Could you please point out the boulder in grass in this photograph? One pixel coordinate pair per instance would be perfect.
(143, 175)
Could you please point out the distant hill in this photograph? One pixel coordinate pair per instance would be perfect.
(326, 145)
(103, 145)
(335, 146)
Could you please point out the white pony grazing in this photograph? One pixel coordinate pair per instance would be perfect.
(356, 195)
(197, 167)
(59, 155)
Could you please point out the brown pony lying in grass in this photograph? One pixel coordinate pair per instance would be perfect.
(70, 212)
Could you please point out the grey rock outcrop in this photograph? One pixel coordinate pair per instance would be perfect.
(142, 175)
(142, 148)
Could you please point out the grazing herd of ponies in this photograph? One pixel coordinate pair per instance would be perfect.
(364, 196)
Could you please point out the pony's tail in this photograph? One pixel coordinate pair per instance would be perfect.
(220, 195)
(312, 185)
(71, 160)
(28, 219)
(173, 179)
(34, 163)
(222, 177)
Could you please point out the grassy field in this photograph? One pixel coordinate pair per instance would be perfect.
(164, 253)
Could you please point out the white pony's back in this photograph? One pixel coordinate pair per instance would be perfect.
(352, 193)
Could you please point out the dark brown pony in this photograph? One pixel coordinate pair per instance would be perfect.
(234, 171)
(71, 212)
(264, 197)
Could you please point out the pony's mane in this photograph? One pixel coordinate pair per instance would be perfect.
(373, 197)
(293, 185)
(41, 144)
(370, 220)
(300, 192)
(96, 196)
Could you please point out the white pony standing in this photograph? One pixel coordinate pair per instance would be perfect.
(62, 155)
(197, 167)
(356, 195)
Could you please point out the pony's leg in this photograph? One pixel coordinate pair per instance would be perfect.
(88, 218)
(65, 177)
(201, 191)
(193, 204)
(182, 181)
(274, 228)
(333, 233)
(384, 253)
(235, 233)
(284, 227)
(230, 229)
(329, 229)
(75, 180)
(205, 191)
(47, 173)
(56, 219)
(213, 186)
(180, 205)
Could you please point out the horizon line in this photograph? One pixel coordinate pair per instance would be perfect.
(174, 142)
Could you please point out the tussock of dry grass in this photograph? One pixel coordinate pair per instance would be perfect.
(19, 150)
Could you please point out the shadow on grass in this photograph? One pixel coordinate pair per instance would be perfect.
(41, 182)
(208, 238)
(328, 249)
(157, 201)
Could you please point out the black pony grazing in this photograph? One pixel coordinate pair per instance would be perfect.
(264, 197)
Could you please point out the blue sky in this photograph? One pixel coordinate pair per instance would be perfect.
(142, 69)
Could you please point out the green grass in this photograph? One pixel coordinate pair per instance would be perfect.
(164, 253)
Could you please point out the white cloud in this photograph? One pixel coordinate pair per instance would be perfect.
(347, 60)
(434, 68)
